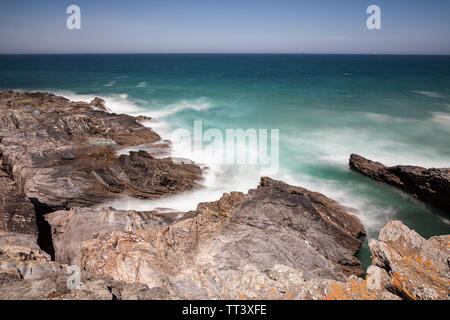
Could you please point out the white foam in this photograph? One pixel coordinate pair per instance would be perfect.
(382, 118)
(333, 147)
(117, 103)
(441, 118)
(110, 84)
(142, 84)
(378, 117)
(430, 94)
(327, 146)
(200, 104)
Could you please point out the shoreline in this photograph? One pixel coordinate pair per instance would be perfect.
(60, 153)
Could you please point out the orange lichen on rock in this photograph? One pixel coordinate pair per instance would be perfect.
(354, 289)
(401, 283)
(336, 292)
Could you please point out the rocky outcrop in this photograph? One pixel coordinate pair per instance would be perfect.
(63, 154)
(206, 252)
(405, 266)
(243, 246)
(429, 185)
(417, 268)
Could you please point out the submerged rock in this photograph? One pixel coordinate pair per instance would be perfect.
(429, 185)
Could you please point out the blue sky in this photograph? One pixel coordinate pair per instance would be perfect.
(271, 26)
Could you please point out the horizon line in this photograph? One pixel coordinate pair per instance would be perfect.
(223, 53)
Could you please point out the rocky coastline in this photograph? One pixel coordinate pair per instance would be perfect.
(60, 163)
(428, 185)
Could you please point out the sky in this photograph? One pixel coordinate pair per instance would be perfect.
(226, 26)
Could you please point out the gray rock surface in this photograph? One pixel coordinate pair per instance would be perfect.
(26, 273)
(202, 253)
(429, 185)
(71, 228)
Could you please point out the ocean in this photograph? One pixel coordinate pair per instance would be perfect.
(391, 109)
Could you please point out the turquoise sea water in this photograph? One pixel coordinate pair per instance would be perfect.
(392, 109)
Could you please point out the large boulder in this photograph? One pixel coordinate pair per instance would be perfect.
(429, 185)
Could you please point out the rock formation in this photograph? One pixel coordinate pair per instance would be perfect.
(64, 155)
(26, 273)
(60, 160)
(418, 268)
(203, 252)
(429, 185)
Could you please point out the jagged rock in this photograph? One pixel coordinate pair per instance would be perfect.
(54, 286)
(98, 104)
(199, 255)
(21, 257)
(16, 211)
(418, 268)
(429, 185)
(66, 157)
(26, 272)
(71, 228)
(143, 118)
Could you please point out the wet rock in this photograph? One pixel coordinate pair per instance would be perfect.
(143, 118)
(429, 185)
(98, 104)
